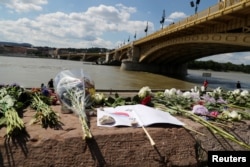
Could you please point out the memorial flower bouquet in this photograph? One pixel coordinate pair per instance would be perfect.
(208, 109)
(211, 109)
(75, 90)
(11, 102)
(77, 104)
(44, 114)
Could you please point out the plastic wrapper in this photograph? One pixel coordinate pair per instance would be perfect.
(76, 81)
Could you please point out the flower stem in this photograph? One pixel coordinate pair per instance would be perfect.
(190, 129)
(85, 127)
(213, 128)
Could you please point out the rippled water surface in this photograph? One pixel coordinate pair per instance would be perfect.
(31, 72)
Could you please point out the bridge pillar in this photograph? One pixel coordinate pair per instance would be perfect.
(166, 69)
(108, 57)
(135, 53)
(174, 69)
(84, 57)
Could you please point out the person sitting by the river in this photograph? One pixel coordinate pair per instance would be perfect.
(45, 91)
(49, 93)
(42, 86)
(238, 85)
(51, 84)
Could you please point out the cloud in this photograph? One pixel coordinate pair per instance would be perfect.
(24, 5)
(82, 29)
(176, 16)
(247, 57)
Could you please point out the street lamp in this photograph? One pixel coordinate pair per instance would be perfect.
(162, 19)
(195, 5)
(146, 29)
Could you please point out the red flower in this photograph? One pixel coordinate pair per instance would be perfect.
(214, 113)
(146, 100)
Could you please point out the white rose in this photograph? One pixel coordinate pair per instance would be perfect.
(179, 92)
(172, 91)
(166, 93)
(98, 98)
(234, 115)
(8, 100)
(244, 93)
(144, 91)
(186, 94)
(203, 88)
(236, 91)
(218, 90)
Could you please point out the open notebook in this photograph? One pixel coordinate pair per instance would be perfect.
(133, 115)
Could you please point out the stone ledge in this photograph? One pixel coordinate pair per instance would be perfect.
(118, 146)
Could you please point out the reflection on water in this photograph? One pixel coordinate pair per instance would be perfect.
(31, 72)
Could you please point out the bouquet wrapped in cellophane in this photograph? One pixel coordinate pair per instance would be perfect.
(74, 89)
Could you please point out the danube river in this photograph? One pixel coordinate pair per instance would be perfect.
(31, 72)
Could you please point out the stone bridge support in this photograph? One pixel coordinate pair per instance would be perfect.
(133, 64)
(135, 51)
(111, 57)
(166, 69)
(84, 57)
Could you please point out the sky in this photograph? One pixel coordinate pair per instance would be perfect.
(94, 23)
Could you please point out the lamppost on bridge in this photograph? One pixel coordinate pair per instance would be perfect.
(146, 29)
(162, 19)
(195, 5)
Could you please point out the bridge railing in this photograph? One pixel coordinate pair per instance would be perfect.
(224, 4)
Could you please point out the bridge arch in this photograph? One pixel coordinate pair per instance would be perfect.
(123, 55)
(187, 48)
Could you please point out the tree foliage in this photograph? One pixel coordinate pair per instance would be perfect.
(215, 66)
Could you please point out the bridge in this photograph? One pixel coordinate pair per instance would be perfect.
(91, 57)
(222, 28)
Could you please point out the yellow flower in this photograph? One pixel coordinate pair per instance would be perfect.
(91, 91)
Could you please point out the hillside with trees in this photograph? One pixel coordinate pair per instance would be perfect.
(215, 66)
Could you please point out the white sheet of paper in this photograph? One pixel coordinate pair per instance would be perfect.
(142, 114)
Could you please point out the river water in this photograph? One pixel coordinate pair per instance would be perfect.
(31, 72)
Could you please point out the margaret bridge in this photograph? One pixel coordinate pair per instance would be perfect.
(222, 28)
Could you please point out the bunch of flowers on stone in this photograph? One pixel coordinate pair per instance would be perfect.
(224, 105)
(197, 104)
(207, 108)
